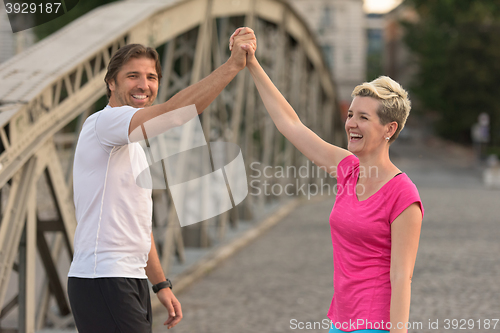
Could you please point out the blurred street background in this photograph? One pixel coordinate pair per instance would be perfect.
(285, 277)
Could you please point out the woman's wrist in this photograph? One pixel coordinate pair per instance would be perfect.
(253, 64)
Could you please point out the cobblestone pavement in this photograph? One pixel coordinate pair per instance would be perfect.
(287, 273)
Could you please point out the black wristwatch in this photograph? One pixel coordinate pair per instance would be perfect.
(162, 285)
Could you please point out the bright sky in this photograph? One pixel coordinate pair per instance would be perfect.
(380, 6)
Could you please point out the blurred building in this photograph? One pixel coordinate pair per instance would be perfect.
(340, 28)
(375, 45)
(12, 43)
(399, 63)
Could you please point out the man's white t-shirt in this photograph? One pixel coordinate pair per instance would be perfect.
(114, 214)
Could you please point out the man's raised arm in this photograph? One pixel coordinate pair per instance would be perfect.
(202, 93)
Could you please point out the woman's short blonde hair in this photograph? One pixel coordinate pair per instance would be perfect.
(394, 102)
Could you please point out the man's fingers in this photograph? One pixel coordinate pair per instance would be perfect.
(170, 309)
(172, 321)
(175, 313)
(245, 30)
(245, 40)
(231, 39)
(178, 309)
(237, 31)
(240, 32)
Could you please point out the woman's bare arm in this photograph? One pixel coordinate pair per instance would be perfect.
(405, 234)
(322, 153)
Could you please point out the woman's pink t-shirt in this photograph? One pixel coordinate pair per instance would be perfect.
(361, 238)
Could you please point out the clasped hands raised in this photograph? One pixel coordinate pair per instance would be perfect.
(242, 45)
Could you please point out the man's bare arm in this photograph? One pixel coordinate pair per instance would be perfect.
(202, 93)
(155, 274)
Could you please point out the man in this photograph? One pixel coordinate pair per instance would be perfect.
(115, 252)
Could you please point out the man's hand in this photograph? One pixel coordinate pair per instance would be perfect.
(241, 43)
(168, 299)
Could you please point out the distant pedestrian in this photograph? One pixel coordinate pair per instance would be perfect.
(376, 220)
(480, 134)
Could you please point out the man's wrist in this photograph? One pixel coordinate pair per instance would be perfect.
(232, 66)
(162, 285)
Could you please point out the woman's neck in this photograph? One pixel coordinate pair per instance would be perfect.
(376, 166)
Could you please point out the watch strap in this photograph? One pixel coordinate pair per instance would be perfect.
(162, 285)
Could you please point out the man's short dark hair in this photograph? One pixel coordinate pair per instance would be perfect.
(123, 55)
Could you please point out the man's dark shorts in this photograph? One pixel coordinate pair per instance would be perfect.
(110, 305)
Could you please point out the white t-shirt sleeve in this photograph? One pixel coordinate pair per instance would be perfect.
(112, 125)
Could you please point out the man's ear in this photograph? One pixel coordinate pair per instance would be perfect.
(111, 84)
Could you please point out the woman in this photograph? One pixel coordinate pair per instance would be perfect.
(376, 220)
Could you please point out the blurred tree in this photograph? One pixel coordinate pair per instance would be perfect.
(457, 43)
(83, 7)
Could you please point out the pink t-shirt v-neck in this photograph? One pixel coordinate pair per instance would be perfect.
(361, 239)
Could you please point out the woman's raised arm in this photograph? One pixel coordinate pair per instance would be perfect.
(322, 153)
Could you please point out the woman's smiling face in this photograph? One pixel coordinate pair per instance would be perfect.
(365, 133)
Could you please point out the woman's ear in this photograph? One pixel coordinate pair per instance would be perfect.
(392, 128)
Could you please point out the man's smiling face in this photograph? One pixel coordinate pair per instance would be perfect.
(136, 84)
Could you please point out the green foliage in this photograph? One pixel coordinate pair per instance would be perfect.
(83, 7)
(373, 66)
(457, 43)
(493, 151)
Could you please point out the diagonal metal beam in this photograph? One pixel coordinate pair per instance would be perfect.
(61, 195)
(27, 256)
(51, 270)
(13, 222)
(43, 302)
